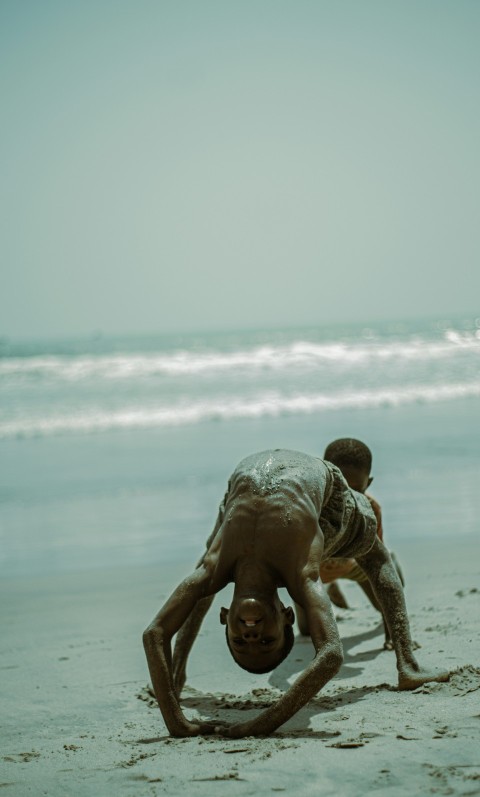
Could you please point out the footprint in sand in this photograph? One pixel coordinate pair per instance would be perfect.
(22, 758)
(462, 592)
(462, 681)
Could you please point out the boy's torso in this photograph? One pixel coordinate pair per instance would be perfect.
(285, 508)
(272, 507)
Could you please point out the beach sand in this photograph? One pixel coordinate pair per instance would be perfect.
(77, 718)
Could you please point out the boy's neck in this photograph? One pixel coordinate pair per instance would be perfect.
(254, 580)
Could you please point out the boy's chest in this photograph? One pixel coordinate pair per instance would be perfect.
(279, 546)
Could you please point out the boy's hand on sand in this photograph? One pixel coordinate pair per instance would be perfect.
(237, 731)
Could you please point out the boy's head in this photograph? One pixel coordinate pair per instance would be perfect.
(259, 632)
(354, 459)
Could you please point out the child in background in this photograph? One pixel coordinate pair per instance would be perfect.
(283, 514)
(354, 459)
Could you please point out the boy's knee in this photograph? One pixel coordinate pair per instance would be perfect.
(151, 637)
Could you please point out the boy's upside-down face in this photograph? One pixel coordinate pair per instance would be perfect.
(259, 632)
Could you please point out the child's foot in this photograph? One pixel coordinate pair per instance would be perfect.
(336, 596)
(411, 679)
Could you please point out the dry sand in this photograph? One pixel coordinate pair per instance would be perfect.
(77, 718)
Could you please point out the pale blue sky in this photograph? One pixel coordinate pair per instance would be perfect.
(175, 165)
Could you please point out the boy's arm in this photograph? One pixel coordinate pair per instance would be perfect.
(157, 643)
(386, 584)
(327, 661)
(185, 639)
(189, 630)
(377, 511)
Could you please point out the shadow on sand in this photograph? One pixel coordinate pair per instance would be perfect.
(232, 709)
(302, 654)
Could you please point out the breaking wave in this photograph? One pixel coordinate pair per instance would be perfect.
(268, 404)
(126, 384)
(301, 355)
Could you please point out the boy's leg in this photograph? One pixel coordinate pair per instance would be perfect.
(388, 590)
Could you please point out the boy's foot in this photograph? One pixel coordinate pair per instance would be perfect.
(412, 679)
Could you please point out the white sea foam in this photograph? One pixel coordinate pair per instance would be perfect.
(302, 355)
(76, 392)
(272, 403)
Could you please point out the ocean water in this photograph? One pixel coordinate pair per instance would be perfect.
(117, 450)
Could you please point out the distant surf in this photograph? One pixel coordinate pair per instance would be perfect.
(128, 384)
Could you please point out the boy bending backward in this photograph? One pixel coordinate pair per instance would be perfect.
(283, 514)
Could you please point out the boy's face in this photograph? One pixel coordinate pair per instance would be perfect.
(357, 478)
(256, 631)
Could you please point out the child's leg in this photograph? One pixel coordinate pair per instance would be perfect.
(336, 596)
(388, 590)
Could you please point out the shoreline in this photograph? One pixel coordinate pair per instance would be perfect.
(123, 499)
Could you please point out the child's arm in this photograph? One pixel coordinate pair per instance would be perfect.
(157, 644)
(327, 661)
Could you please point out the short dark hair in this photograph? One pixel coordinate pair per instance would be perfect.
(349, 452)
(287, 646)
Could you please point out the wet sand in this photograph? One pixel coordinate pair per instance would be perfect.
(77, 717)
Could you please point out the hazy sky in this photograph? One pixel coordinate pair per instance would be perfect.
(187, 164)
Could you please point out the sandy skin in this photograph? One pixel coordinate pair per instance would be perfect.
(268, 536)
(354, 458)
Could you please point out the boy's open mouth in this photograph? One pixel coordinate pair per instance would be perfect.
(250, 622)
